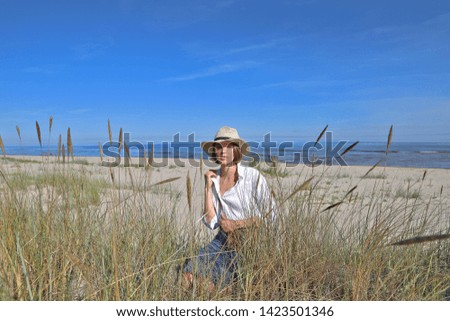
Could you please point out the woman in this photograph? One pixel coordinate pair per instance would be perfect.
(236, 197)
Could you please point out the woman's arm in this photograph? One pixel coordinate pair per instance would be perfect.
(210, 211)
(228, 225)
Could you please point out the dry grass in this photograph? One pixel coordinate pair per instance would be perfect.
(18, 133)
(349, 148)
(100, 150)
(169, 180)
(150, 157)
(189, 192)
(38, 131)
(67, 234)
(389, 140)
(422, 239)
(69, 144)
(320, 135)
(120, 139)
(60, 147)
(109, 132)
(2, 147)
(50, 124)
(371, 169)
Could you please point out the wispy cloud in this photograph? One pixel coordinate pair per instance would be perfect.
(440, 20)
(422, 36)
(396, 85)
(49, 69)
(217, 51)
(90, 50)
(301, 84)
(255, 47)
(213, 71)
(79, 111)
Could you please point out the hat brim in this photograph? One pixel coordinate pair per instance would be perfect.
(209, 149)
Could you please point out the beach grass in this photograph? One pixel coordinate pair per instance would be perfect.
(79, 231)
(68, 236)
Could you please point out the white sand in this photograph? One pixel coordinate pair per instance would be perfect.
(390, 185)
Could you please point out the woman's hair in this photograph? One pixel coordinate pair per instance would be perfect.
(237, 154)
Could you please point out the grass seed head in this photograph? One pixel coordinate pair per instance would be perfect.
(349, 148)
(69, 143)
(38, 130)
(50, 124)
(389, 141)
(321, 135)
(18, 133)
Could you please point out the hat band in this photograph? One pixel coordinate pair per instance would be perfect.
(222, 138)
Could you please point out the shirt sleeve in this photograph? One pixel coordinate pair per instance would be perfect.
(214, 221)
(213, 224)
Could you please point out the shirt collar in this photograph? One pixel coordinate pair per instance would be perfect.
(240, 170)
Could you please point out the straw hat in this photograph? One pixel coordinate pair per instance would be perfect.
(228, 134)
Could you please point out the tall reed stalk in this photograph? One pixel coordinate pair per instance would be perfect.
(2, 147)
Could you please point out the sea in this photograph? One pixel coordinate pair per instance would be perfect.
(400, 154)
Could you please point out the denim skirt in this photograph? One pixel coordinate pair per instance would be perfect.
(215, 261)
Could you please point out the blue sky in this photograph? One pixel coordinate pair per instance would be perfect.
(288, 67)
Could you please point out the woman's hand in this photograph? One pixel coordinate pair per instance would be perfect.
(210, 212)
(208, 178)
(228, 225)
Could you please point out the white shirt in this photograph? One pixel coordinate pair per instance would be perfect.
(249, 197)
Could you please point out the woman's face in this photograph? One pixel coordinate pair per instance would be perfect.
(224, 152)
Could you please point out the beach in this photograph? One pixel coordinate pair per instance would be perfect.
(421, 187)
(80, 230)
